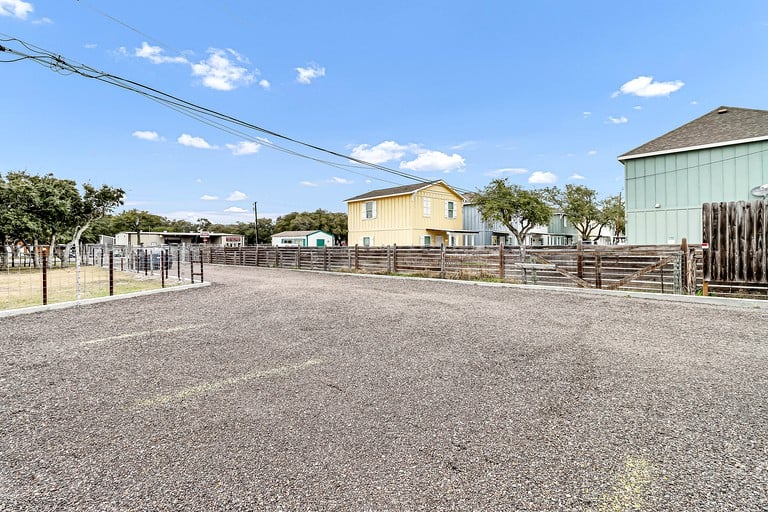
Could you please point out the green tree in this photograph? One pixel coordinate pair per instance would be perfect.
(333, 223)
(614, 214)
(518, 209)
(586, 212)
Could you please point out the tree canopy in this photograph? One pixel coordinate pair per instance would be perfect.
(49, 209)
(586, 212)
(518, 209)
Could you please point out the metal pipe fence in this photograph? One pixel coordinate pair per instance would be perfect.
(38, 278)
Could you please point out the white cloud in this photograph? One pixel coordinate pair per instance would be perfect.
(16, 8)
(645, 87)
(221, 73)
(586, 114)
(506, 171)
(617, 120)
(236, 196)
(576, 176)
(306, 75)
(235, 209)
(694, 102)
(542, 177)
(244, 148)
(637, 107)
(470, 144)
(90, 46)
(155, 55)
(308, 184)
(194, 142)
(592, 152)
(341, 181)
(264, 84)
(207, 197)
(429, 160)
(43, 21)
(146, 135)
(380, 153)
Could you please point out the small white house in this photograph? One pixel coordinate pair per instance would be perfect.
(315, 238)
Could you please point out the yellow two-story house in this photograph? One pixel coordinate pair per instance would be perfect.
(425, 214)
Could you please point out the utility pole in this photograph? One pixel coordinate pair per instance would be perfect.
(256, 222)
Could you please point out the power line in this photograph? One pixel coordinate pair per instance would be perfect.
(62, 66)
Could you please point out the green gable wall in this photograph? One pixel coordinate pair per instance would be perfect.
(681, 182)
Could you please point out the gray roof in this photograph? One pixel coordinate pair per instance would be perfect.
(719, 127)
(394, 191)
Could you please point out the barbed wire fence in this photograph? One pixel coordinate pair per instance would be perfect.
(38, 275)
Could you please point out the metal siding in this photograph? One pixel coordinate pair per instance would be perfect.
(729, 178)
(705, 183)
(694, 188)
(741, 177)
(717, 180)
(681, 187)
(754, 172)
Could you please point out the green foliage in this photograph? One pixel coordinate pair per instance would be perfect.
(588, 214)
(520, 210)
(334, 223)
(48, 209)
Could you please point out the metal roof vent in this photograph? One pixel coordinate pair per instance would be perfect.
(722, 111)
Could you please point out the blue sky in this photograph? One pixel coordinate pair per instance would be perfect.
(545, 93)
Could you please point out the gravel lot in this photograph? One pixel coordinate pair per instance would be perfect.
(282, 390)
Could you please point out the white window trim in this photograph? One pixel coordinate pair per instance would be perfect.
(427, 206)
(448, 211)
(365, 210)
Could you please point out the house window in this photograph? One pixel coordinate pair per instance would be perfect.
(450, 209)
(367, 241)
(427, 202)
(369, 210)
(426, 240)
(452, 240)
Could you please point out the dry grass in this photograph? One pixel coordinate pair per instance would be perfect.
(23, 287)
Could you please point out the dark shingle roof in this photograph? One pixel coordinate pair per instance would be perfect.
(393, 191)
(718, 127)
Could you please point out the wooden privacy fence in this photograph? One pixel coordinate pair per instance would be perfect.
(734, 239)
(664, 269)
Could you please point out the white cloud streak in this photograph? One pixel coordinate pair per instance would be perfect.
(221, 70)
(146, 135)
(244, 148)
(576, 176)
(154, 54)
(236, 196)
(507, 171)
(16, 9)
(310, 73)
(194, 142)
(429, 160)
(207, 197)
(646, 87)
(542, 178)
(618, 120)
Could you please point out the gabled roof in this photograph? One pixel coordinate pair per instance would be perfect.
(720, 127)
(398, 191)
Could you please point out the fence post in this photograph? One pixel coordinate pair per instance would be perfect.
(501, 260)
(357, 258)
(146, 262)
(163, 268)
(202, 276)
(580, 259)
(684, 267)
(598, 271)
(325, 258)
(394, 258)
(442, 261)
(45, 278)
(111, 273)
(298, 257)
(389, 260)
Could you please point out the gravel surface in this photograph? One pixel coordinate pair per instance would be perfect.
(281, 390)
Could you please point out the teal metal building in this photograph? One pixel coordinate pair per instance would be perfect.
(721, 156)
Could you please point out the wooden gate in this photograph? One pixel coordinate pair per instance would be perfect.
(733, 242)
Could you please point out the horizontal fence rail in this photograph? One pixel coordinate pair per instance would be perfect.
(660, 269)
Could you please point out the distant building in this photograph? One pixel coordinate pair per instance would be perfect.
(719, 157)
(316, 238)
(162, 238)
(428, 214)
